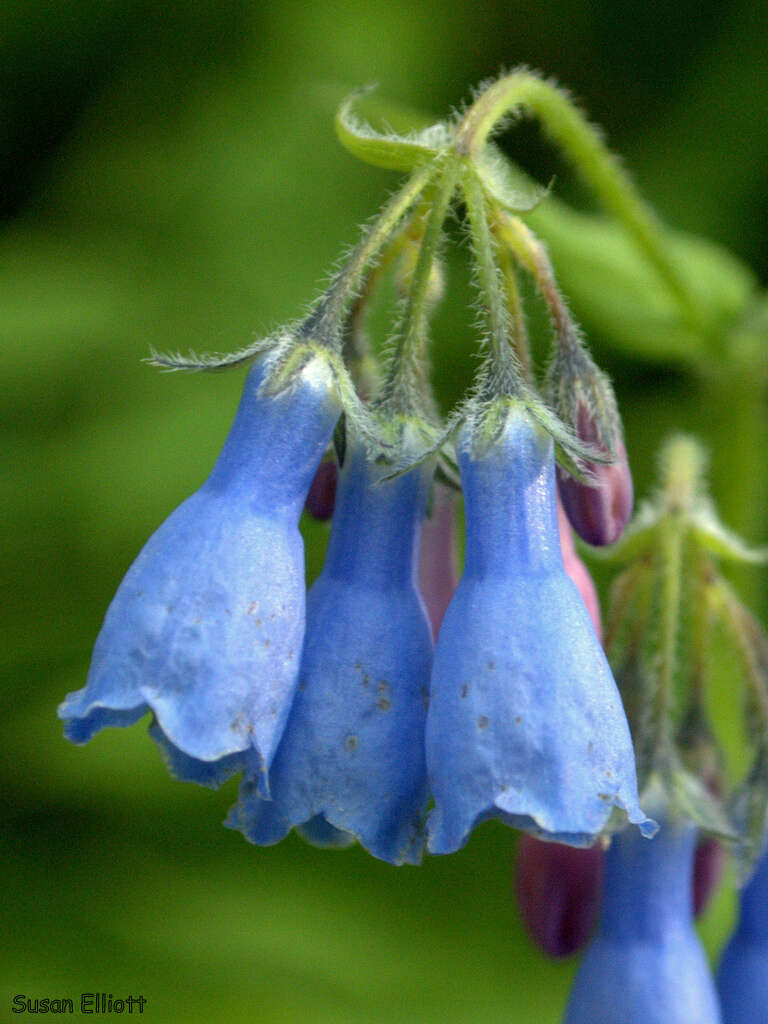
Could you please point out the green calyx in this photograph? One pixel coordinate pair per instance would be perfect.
(670, 612)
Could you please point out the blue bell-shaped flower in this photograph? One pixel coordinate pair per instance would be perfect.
(646, 964)
(352, 755)
(742, 979)
(525, 721)
(207, 626)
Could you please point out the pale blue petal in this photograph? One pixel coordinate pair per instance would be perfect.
(207, 626)
(189, 769)
(318, 832)
(646, 964)
(353, 749)
(742, 979)
(525, 721)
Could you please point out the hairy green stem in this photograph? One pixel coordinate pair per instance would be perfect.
(749, 639)
(325, 320)
(491, 288)
(591, 157)
(406, 368)
(670, 566)
(513, 299)
(533, 256)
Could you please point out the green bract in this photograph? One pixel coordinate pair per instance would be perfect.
(668, 607)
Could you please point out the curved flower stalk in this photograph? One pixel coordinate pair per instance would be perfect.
(742, 979)
(206, 628)
(646, 965)
(525, 721)
(352, 755)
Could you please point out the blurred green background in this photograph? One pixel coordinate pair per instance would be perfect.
(169, 177)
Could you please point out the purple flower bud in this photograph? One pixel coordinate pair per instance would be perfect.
(598, 512)
(438, 575)
(321, 497)
(578, 572)
(708, 865)
(558, 889)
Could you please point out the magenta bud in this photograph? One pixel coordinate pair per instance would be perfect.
(598, 512)
(558, 889)
(708, 866)
(321, 496)
(578, 572)
(438, 575)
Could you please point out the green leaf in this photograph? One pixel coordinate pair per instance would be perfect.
(384, 146)
(640, 536)
(693, 800)
(636, 313)
(709, 532)
(508, 186)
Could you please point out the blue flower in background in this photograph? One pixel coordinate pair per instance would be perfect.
(351, 761)
(207, 626)
(743, 976)
(646, 964)
(525, 721)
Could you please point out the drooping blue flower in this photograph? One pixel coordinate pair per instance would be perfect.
(525, 721)
(646, 964)
(742, 979)
(207, 626)
(351, 760)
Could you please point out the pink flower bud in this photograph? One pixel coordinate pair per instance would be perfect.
(598, 513)
(579, 572)
(558, 889)
(708, 865)
(438, 575)
(321, 497)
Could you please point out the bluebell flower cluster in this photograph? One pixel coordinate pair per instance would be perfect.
(341, 717)
(343, 727)
(646, 964)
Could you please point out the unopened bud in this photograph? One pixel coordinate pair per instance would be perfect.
(558, 889)
(438, 575)
(599, 511)
(708, 866)
(321, 496)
